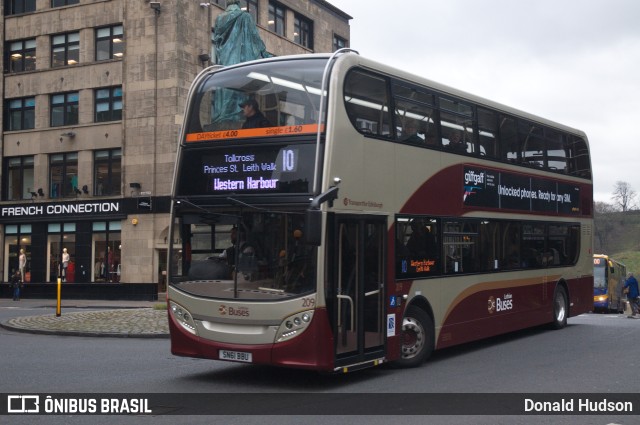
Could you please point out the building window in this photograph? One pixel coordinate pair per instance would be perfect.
(60, 3)
(15, 7)
(106, 251)
(107, 172)
(303, 31)
(17, 237)
(63, 175)
(109, 43)
(18, 182)
(61, 236)
(65, 49)
(108, 103)
(276, 18)
(20, 114)
(250, 6)
(64, 109)
(338, 43)
(21, 55)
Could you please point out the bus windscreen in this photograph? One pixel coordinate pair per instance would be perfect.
(285, 96)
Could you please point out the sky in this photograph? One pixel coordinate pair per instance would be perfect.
(576, 62)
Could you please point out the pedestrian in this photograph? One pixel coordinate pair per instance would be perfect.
(16, 282)
(633, 294)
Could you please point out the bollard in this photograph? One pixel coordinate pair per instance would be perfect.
(58, 312)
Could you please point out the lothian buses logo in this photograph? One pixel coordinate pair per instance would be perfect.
(222, 310)
(491, 305)
(500, 304)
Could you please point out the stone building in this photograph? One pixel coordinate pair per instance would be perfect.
(93, 98)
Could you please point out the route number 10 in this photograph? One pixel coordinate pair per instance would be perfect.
(288, 160)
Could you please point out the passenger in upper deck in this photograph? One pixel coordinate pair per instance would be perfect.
(254, 117)
(455, 142)
(413, 133)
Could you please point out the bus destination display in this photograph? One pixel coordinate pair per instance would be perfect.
(272, 169)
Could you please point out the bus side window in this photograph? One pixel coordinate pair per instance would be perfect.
(509, 147)
(415, 124)
(456, 118)
(367, 102)
(556, 154)
(414, 114)
(578, 157)
(488, 133)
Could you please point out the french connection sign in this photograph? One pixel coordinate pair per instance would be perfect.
(61, 209)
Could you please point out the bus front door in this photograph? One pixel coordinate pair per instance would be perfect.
(357, 289)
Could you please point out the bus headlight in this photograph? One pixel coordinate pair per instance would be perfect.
(600, 298)
(294, 325)
(183, 317)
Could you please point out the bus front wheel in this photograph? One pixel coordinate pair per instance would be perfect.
(560, 308)
(417, 337)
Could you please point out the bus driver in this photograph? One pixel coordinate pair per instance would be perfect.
(254, 118)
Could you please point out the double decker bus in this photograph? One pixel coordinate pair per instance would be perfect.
(377, 217)
(609, 276)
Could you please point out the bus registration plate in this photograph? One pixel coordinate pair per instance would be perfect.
(236, 356)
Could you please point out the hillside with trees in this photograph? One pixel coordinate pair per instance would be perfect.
(617, 227)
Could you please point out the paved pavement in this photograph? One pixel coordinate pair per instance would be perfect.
(133, 319)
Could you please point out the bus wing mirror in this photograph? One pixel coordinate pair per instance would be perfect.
(314, 215)
(313, 233)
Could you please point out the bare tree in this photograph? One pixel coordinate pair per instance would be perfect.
(624, 196)
(603, 207)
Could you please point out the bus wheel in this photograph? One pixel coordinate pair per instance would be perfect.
(560, 309)
(416, 337)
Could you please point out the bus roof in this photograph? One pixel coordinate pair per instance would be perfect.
(352, 59)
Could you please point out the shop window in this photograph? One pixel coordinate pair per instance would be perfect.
(17, 237)
(61, 247)
(106, 251)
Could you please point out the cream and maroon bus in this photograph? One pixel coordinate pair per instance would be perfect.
(368, 216)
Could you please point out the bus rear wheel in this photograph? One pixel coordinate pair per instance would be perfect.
(416, 337)
(560, 308)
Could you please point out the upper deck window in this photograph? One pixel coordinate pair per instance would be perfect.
(286, 93)
(367, 102)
